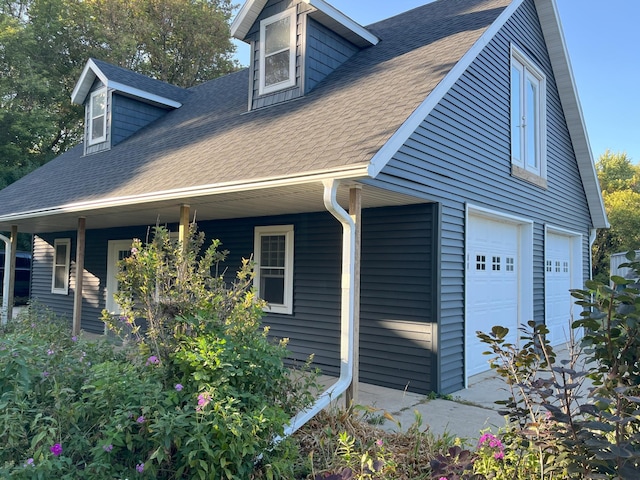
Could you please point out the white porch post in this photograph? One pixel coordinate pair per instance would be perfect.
(12, 270)
(6, 277)
(77, 295)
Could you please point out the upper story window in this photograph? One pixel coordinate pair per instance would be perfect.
(278, 52)
(273, 251)
(528, 118)
(97, 131)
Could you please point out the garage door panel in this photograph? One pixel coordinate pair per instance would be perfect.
(558, 282)
(492, 285)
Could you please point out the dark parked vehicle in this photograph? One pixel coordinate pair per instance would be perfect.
(23, 275)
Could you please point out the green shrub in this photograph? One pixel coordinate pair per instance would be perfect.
(200, 393)
(573, 436)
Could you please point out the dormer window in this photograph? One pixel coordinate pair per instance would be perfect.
(278, 52)
(97, 131)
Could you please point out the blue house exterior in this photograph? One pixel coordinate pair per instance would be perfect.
(452, 134)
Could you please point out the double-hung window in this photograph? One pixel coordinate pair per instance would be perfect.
(61, 264)
(273, 251)
(278, 52)
(528, 117)
(97, 131)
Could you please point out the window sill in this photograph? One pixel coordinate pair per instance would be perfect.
(528, 176)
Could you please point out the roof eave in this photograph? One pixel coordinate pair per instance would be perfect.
(325, 13)
(91, 71)
(353, 172)
(561, 64)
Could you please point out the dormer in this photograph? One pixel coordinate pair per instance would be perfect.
(294, 45)
(119, 102)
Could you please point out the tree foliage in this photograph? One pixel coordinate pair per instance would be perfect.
(620, 182)
(44, 45)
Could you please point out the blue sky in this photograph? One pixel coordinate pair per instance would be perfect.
(604, 47)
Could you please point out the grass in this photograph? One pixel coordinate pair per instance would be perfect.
(403, 455)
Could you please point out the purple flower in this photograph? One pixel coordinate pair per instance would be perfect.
(141, 419)
(74, 339)
(179, 387)
(140, 467)
(45, 374)
(29, 462)
(50, 352)
(56, 449)
(107, 448)
(152, 360)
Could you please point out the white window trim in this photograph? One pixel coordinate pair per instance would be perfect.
(103, 137)
(264, 89)
(114, 246)
(529, 70)
(287, 231)
(67, 265)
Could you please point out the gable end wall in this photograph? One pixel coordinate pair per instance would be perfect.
(461, 154)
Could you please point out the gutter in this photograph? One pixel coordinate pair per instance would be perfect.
(347, 311)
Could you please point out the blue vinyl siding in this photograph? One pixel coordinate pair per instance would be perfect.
(461, 154)
(129, 116)
(325, 52)
(398, 297)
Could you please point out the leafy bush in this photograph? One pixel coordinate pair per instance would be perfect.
(573, 435)
(197, 389)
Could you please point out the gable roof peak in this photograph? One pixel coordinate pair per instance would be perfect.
(128, 83)
(323, 12)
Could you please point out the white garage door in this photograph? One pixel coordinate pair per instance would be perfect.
(559, 271)
(491, 285)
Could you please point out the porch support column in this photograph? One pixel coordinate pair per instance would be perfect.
(183, 230)
(12, 270)
(355, 212)
(77, 295)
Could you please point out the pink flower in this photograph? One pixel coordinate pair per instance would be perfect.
(498, 455)
(56, 449)
(379, 443)
(203, 400)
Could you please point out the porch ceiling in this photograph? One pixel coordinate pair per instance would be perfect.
(301, 198)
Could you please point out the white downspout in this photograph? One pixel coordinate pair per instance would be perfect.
(346, 311)
(7, 274)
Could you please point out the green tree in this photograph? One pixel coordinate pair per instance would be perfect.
(44, 45)
(620, 182)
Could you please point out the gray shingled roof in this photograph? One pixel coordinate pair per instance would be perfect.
(141, 82)
(212, 139)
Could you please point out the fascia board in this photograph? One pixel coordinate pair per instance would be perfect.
(88, 76)
(354, 172)
(136, 92)
(343, 20)
(246, 17)
(399, 138)
(561, 64)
